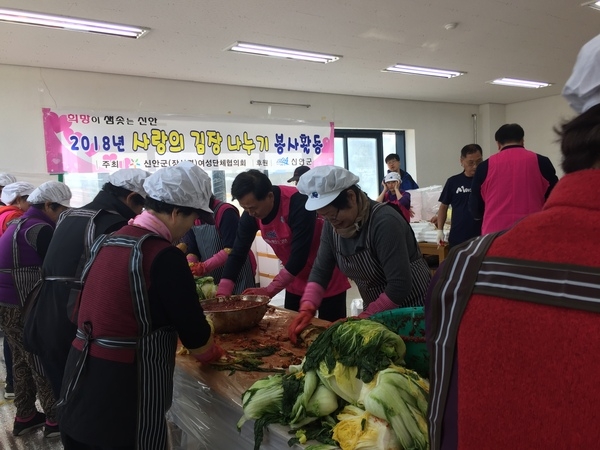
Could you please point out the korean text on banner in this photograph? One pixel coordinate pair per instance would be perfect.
(85, 142)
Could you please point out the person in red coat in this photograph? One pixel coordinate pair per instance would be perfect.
(512, 321)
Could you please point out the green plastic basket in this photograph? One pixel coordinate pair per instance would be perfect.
(409, 323)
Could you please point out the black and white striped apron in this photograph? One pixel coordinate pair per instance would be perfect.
(448, 301)
(155, 350)
(88, 239)
(25, 278)
(364, 269)
(209, 243)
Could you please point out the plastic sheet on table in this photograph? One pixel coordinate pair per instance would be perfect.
(207, 402)
(207, 421)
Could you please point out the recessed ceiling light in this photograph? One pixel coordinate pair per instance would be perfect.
(427, 71)
(593, 5)
(278, 52)
(520, 83)
(70, 23)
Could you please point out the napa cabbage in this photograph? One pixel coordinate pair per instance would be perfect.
(367, 345)
(359, 430)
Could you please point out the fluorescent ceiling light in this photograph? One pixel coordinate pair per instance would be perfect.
(427, 71)
(264, 50)
(520, 83)
(70, 23)
(593, 5)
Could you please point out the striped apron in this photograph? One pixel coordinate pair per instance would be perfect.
(448, 301)
(209, 243)
(155, 350)
(25, 279)
(88, 240)
(364, 269)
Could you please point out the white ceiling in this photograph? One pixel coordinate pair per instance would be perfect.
(529, 39)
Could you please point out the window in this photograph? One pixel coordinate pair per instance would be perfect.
(363, 153)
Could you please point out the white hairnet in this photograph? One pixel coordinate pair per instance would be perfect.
(130, 179)
(11, 191)
(582, 89)
(51, 191)
(182, 185)
(6, 179)
(323, 184)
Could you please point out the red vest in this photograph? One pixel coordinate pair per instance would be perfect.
(106, 300)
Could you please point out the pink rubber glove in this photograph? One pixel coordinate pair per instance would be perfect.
(213, 354)
(225, 287)
(256, 291)
(211, 351)
(217, 260)
(191, 258)
(278, 284)
(383, 303)
(309, 303)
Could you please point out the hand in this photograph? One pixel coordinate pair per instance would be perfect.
(300, 322)
(382, 303)
(214, 353)
(256, 291)
(433, 220)
(191, 258)
(198, 269)
(441, 240)
(343, 319)
(225, 287)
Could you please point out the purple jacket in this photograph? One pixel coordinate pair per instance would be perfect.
(26, 267)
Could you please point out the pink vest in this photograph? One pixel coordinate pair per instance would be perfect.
(514, 188)
(278, 235)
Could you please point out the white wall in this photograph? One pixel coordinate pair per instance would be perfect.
(538, 118)
(440, 129)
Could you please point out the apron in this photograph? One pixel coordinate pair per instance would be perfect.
(364, 269)
(278, 234)
(88, 240)
(32, 337)
(25, 279)
(209, 243)
(155, 350)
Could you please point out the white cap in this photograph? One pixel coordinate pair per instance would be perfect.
(582, 90)
(323, 184)
(51, 191)
(130, 179)
(392, 176)
(185, 184)
(6, 179)
(13, 190)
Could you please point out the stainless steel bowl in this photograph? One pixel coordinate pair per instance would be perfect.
(236, 320)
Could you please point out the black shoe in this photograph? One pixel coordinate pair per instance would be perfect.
(21, 428)
(9, 392)
(51, 431)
